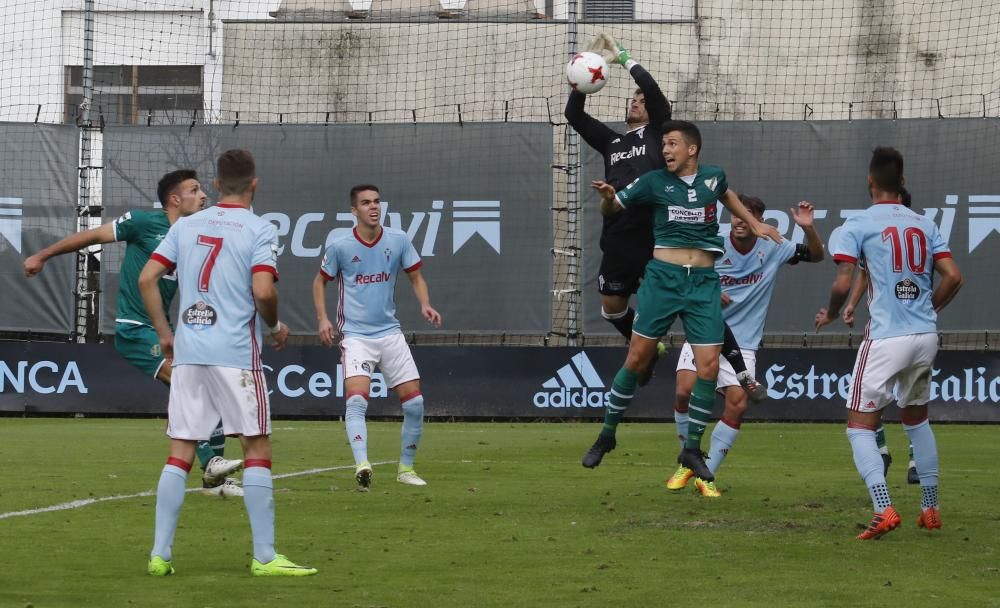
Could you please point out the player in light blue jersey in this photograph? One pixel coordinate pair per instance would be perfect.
(902, 250)
(365, 263)
(858, 288)
(226, 262)
(180, 195)
(748, 270)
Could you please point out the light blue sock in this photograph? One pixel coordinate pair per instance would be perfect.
(413, 426)
(681, 420)
(357, 430)
(169, 500)
(723, 438)
(869, 464)
(258, 496)
(925, 455)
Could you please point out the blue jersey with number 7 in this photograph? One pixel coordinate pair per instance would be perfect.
(216, 251)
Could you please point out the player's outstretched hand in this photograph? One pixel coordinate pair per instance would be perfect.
(823, 318)
(802, 214)
(606, 190)
(623, 57)
(767, 231)
(33, 265)
(848, 315)
(431, 315)
(726, 300)
(604, 45)
(280, 337)
(326, 332)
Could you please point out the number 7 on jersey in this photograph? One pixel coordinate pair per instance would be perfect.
(214, 244)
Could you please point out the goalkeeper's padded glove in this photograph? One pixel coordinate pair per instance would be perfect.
(623, 56)
(604, 45)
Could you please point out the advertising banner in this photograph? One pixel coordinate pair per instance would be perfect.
(477, 211)
(484, 383)
(38, 195)
(827, 163)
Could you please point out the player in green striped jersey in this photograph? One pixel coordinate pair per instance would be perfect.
(680, 280)
(180, 195)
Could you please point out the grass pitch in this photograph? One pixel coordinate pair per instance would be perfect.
(510, 518)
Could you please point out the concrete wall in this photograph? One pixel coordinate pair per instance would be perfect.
(739, 60)
(725, 59)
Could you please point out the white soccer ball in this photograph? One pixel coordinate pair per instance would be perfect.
(587, 72)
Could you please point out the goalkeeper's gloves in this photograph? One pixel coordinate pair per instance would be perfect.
(604, 45)
(623, 57)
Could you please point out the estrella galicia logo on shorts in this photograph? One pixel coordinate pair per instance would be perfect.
(200, 316)
(368, 366)
(907, 290)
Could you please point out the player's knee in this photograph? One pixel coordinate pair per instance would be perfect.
(709, 369)
(735, 408)
(913, 415)
(357, 405)
(414, 406)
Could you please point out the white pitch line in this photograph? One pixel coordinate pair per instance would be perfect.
(76, 504)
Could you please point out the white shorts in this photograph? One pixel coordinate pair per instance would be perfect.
(727, 375)
(202, 394)
(893, 368)
(390, 353)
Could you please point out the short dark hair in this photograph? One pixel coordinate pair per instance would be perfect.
(754, 204)
(170, 181)
(235, 171)
(361, 188)
(886, 169)
(690, 132)
(639, 91)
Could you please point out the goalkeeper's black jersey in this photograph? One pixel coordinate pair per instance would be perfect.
(627, 156)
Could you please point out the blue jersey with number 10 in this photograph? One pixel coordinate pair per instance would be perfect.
(899, 248)
(216, 252)
(366, 274)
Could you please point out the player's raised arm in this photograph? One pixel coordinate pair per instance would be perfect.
(803, 215)
(732, 202)
(101, 235)
(657, 106)
(609, 205)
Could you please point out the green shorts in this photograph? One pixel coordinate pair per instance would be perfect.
(669, 291)
(140, 346)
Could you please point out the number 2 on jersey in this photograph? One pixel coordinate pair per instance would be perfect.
(916, 248)
(214, 244)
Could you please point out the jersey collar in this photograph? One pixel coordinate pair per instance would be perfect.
(736, 245)
(887, 203)
(381, 231)
(230, 206)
